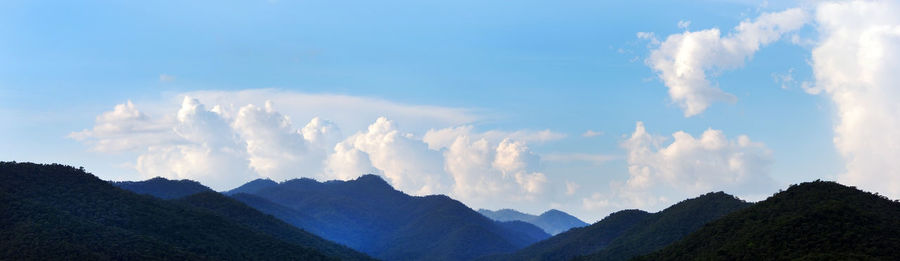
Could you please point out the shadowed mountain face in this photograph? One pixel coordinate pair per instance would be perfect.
(553, 221)
(367, 214)
(253, 186)
(242, 214)
(811, 221)
(628, 233)
(163, 188)
(55, 211)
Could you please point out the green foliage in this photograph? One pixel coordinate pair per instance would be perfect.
(59, 212)
(811, 221)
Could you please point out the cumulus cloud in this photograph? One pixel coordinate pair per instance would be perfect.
(207, 150)
(124, 128)
(228, 144)
(689, 166)
(275, 148)
(405, 161)
(855, 64)
(683, 60)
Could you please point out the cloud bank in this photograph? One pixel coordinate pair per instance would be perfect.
(856, 63)
(684, 61)
(226, 145)
(686, 167)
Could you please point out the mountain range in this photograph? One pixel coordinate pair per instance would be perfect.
(552, 221)
(811, 221)
(369, 215)
(628, 233)
(60, 212)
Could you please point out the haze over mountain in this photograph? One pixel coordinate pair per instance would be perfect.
(811, 221)
(163, 188)
(369, 215)
(628, 233)
(552, 221)
(56, 211)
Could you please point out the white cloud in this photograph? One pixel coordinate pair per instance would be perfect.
(689, 166)
(348, 112)
(596, 159)
(166, 78)
(276, 149)
(683, 60)
(208, 150)
(441, 138)
(571, 188)
(591, 133)
(684, 24)
(125, 128)
(856, 63)
(406, 162)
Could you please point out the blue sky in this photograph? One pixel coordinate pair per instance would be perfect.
(567, 67)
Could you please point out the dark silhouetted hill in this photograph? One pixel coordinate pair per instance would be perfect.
(669, 225)
(810, 221)
(628, 233)
(59, 212)
(242, 214)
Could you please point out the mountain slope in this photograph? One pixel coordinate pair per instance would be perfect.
(553, 221)
(811, 221)
(234, 210)
(629, 233)
(56, 211)
(253, 186)
(163, 188)
(579, 241)
(368, 215)
(670, 225)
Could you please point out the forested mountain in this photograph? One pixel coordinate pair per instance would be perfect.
(367, 214)
(59, 212)
(253, 186)
(578, 241)
(552, 221)
(163, 188)
(242, 214)
(628, 233)
(810, 221)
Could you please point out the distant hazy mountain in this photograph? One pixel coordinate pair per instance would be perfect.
(628, 233)
(553, 221)
(59, 212)
(811, 221)
(163, 188)
(367, 214)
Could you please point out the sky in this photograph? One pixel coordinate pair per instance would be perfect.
(584, 106)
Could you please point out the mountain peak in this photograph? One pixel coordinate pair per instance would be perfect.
(253, 186)
(373, 180)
